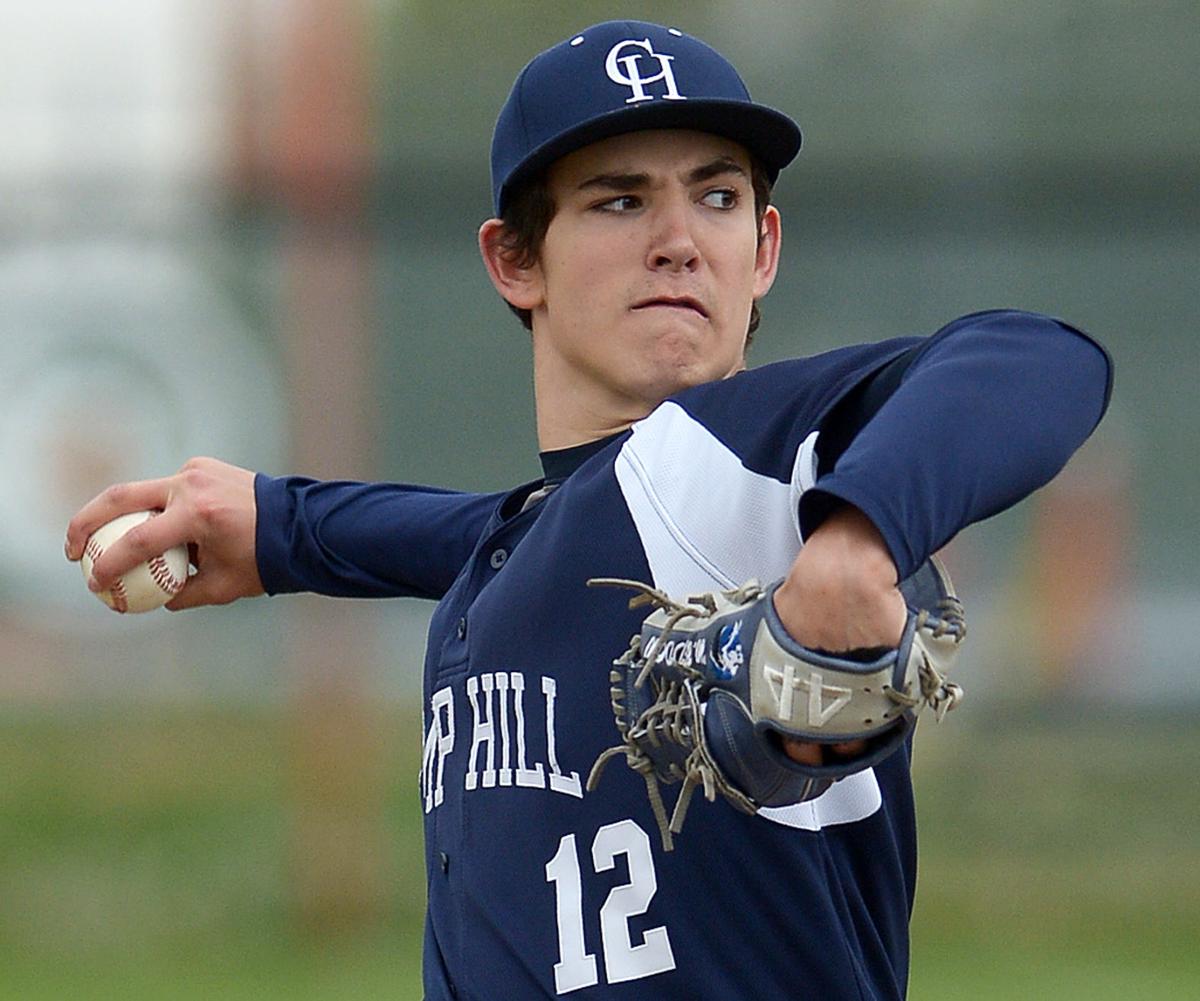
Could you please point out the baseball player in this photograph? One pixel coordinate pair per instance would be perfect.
(634, 237)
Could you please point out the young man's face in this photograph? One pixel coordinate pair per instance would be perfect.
(649, 267)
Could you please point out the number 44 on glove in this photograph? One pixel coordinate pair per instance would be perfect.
(709, 689)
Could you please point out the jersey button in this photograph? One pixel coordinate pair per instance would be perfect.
(444, 861)
(499, 558)
(462, 629)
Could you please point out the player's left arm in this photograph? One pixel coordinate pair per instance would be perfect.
(975, 419)
(967, 424)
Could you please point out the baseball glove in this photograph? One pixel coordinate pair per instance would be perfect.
(705, 694)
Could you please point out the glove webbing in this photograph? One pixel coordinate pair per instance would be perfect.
(674, 714)
(667, 713)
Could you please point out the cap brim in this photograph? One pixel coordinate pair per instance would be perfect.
(769, 135)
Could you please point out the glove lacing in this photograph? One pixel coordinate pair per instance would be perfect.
(673, 717)
(941, 695)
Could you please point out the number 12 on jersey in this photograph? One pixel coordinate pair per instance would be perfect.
(623, 960)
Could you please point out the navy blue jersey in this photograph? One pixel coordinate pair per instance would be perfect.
(538, 888)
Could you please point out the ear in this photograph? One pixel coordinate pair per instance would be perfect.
(522, 287)
(766, 262)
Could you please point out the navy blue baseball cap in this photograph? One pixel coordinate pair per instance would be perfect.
(627, 76)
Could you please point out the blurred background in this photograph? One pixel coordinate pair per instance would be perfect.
(247, 228)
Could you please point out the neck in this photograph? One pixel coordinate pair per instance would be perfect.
(557, 431)
(555, 434)
(572, 410)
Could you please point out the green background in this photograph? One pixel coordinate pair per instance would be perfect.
(151, 855)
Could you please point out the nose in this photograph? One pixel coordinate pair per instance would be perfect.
(673, 244)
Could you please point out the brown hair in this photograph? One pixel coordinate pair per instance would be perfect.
(531, 208)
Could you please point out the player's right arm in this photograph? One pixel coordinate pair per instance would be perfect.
(251, 534)
(364, 540)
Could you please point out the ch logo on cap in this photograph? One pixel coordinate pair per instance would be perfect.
(624, 69)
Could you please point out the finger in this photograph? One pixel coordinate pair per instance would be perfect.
(121, 498)
(151, 538)
(849, 748)
(807, 753)
(803, 752)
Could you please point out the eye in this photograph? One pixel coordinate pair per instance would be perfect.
(622, 203)
(720, 198)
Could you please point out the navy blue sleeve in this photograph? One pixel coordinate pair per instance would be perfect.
(364, 540)
(987, 410)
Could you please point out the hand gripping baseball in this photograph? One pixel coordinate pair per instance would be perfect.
(710, 688)
(208, 506)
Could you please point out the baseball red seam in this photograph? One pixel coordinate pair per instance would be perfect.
(118, 593)
(163, 576)
(162, 573)
(159, 571)
(94, 550)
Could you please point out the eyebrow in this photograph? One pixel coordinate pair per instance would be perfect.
(632, 181)
(715, 168)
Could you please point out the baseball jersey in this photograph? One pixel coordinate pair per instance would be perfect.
(538, 888)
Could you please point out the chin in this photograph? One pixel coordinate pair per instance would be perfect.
(677, 357)
(662, 381)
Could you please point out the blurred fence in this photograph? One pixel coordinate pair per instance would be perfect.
(247, 229)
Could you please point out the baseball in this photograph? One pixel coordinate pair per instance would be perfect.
(147, 586)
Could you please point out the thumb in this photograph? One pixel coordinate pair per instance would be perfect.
(203, 589)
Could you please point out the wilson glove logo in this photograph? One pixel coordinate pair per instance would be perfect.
(680, 653)
(729, 656)
(626, 70)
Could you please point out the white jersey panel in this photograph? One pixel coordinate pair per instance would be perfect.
(692, 499)
(853, 798)
(692, 502)
(804, 477)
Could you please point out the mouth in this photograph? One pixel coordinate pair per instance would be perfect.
(684, 303)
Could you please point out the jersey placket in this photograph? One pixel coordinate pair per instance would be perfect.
(451, 636)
